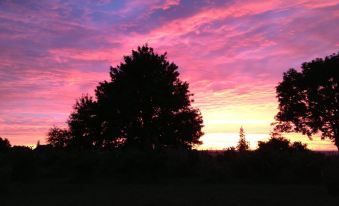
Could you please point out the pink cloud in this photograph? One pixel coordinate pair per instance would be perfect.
(320, 4)
(167, 4)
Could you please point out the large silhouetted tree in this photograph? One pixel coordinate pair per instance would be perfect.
(144, 105)
(309, 99)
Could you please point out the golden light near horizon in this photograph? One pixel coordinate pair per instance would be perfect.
(222, 141)
(222, 128)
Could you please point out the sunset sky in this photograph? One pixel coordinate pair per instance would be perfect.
(232, 53)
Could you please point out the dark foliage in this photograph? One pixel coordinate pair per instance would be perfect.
(4, 145)
(145, 105)
(280, 144)
(23, 164)
(276, 161)
(309, 99)
(84, 125)
(5, 171)
(59, 138)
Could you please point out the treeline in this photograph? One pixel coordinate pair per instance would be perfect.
(273, 162)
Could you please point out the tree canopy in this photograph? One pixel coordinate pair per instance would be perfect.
(309, 99)
(144, 105)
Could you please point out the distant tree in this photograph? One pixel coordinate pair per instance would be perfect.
(309, 99)
(144, 105)
(59, 138)
(4, 144)
(243, 145)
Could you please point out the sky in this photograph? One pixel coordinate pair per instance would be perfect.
(232, 54)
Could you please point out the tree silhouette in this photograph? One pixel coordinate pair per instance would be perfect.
(243, 145)
(309, 99)
(4, 144)
(144, 105)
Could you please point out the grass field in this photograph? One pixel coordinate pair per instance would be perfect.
(167, 194)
